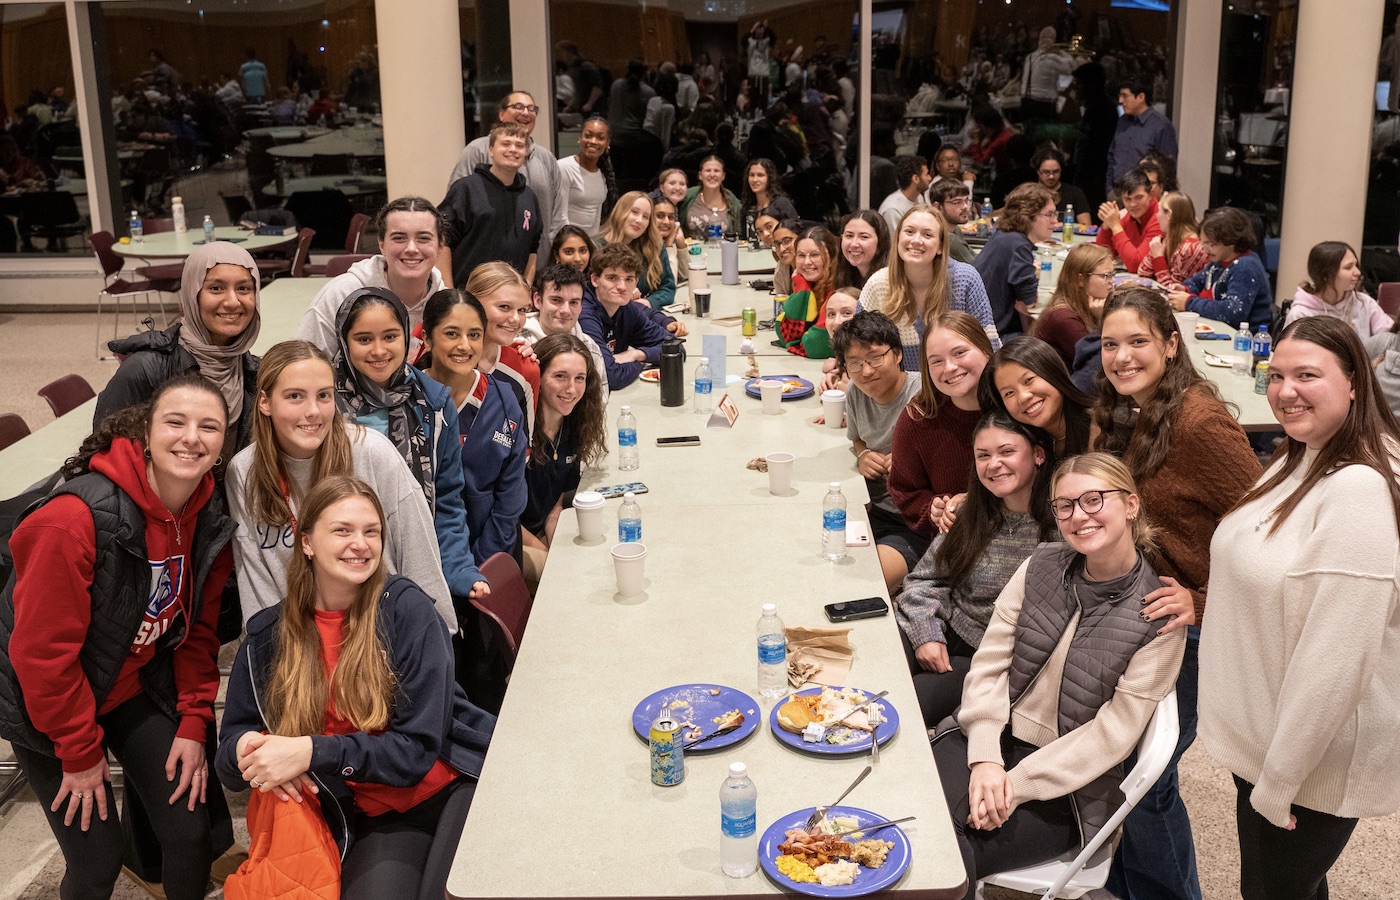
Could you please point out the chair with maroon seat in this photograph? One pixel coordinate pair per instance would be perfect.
(163, 277)
(110, 263)
(12, 428)
(67, 394)
(352, 245)
(270, 269)
(1388, 296)
(339, 265)
(508, 604)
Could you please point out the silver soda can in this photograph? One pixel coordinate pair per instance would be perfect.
(667, 752)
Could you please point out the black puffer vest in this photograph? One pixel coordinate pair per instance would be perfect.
(1110, 630)
(121, 580)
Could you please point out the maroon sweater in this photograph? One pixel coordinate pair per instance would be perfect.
(931, 458)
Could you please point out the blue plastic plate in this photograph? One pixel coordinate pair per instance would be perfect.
(884, 731)
(807, 389)
(695, 703)
(867, 882)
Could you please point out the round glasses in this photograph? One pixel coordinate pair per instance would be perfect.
(1089, 501)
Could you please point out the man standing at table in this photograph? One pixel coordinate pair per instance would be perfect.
(254, 75)
(954, 199)
(492, 214)
(541, 169)
(1141, 130)
(1128, 230)
(912, 172)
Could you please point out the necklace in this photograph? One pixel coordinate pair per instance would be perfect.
(1265, 520)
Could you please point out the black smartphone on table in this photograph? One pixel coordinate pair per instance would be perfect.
(867, 608)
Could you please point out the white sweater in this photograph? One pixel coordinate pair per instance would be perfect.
(318, 322)
(1300, 658)
(261, 551)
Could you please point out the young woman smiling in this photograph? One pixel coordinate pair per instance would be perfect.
(946, 601)
(764, 192)
(219, 322)
(631, 224)
(410, 233)
(345, 690)
(921, 283)
(1193, 463)
(1299, 666)
(865, 248)
(587, 177)
(1176, 254)
(671, 184)
(1074, 309)
(489, 420)
(1028, 379)
(1070, 612)
(1331, 290)
(813, 280)
(300, 439)
(108, 641)
(572, 247)
(933, 435)
(710, 194)
(571, 433)
(505, 297)
(663, 213)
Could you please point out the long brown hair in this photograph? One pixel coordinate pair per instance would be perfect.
(826, 242)
(982, 514)
(134, 423)
(362, 688)
(1324, 262)
(1368, 436)
(930, 399)
(1181, 224)
(1072, 291)
(900, 306)
(1144, 446)
(267, 477)
(648, 243)
(588, 421)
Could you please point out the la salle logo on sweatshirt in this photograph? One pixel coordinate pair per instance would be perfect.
(505, 435)
(167, 580)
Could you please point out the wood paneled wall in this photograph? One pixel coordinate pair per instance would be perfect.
(34, 56)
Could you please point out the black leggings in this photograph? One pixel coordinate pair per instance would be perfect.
(407, 855)
(940, 693)
(1277, 864)
(139, 735)
(1036, 831)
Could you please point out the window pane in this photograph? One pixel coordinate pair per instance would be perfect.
(486, 71)
(268, 113)
(677, 87)
(44, 205)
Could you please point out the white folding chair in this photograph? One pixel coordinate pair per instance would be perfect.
(1073, 875)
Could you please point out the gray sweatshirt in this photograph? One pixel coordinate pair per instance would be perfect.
(928, 604)
(261, 551)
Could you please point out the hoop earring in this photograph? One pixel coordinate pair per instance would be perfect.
(219, 462)
(147, 454)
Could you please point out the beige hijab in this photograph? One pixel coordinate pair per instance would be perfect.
(221, 365)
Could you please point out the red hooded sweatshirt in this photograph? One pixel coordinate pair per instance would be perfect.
(55, 552)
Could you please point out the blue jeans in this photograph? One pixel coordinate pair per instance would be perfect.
(1156, 859)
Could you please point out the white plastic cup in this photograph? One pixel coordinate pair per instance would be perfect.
(1186, 321)
(771, 390)
(834, 407)
(588, 508)
(780, 473)
(629, 561)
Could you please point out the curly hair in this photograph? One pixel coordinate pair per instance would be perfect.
(588, 421)
(134, 423)
(1023, 204)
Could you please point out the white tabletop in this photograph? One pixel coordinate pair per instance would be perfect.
(169, 245)
(719, 546)
(287, 132)
(752, 260)
(359, 140)
(349, 185)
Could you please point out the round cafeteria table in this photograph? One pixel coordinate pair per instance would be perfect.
(355, 141)
(349, 185)
(169, 245)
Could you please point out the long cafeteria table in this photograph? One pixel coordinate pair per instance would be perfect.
(567, 777)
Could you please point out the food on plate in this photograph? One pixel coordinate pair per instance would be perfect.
(793, 384)
(795, 869)
(871, 854)
(798, 712)
(725, 718)
(832, 711)
(714, 692)
(815, 849)
(834, 874)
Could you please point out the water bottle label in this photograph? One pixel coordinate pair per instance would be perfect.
(703, 387)
(629, 531)
(738, 826)
(627, 437)
(715, 231)
(772, 654)
(834, 520)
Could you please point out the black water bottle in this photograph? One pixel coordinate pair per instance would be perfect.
(672, 374)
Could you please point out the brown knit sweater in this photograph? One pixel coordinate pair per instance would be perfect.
(1209, 467)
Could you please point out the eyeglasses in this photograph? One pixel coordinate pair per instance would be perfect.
(1089, 501)
(1048, 172)
(855, 365)
(1106, 276)
(1048, 214)
(524, 107)
(783, 242)
(958, 201)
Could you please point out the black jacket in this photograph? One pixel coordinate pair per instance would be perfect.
(490, 221)
(432, 717)
(155, 357)
(121, 579)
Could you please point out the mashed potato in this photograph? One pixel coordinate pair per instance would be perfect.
(834, 874)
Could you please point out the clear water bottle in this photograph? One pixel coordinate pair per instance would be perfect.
(209, 230)
(629, 519)
(834, 523)
(1047, 274)
(984, 217)
(738, 823)
(715, 227)
(1068, 234)
(772, 654)
(1244, 351)
(627, 440)
(1263, 344)
(704, 387)
(134, 226)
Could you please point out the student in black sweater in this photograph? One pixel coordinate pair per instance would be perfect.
(492, 214)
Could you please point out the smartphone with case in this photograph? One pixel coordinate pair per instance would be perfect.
(613, 491)
(868, 608)
(857, 534)
(685, 440)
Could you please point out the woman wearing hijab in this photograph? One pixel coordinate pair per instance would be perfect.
(219, 323)
(379, 389)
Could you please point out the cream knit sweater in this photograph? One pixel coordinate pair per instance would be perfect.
(1300, 657)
